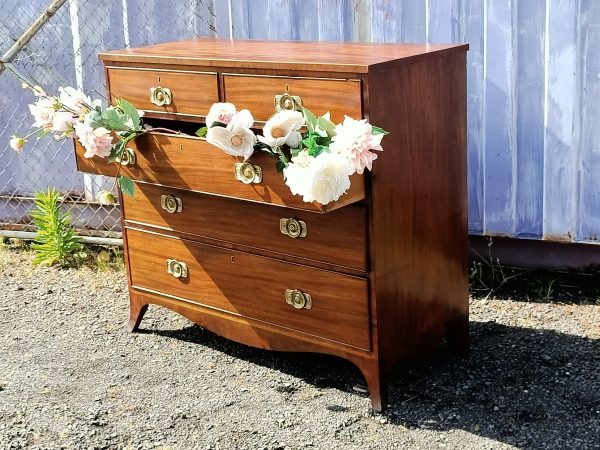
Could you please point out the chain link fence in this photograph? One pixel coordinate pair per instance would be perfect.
(64, 53)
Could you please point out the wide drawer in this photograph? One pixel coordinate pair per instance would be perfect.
(257, 93)
(337, 238)
(185, 93)
(252, 286)
(192, 163)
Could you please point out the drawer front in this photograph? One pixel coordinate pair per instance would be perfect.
(194, 164)
(191, 93)
(337, 238)
(256, 93)
(252, 286)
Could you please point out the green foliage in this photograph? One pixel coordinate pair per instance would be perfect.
(320, 132)
(377, 130)
(122, 117)
(126, 185)
(202, 132)
(55, 241)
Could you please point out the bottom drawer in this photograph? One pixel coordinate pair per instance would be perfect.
(318, 302)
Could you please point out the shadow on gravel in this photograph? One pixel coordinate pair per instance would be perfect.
(530, 388)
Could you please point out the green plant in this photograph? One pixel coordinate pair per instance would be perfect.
(55, 240)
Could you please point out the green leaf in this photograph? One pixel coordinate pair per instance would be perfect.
(113, 120)
(126, 185)
(130, 111)
(95, 118)
(279, 166)
(311, 119)
(202, 132)
(377, 130)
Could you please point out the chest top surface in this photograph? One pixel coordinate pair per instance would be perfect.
(293, 55)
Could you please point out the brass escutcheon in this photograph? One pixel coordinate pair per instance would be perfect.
(160, 96)
(127, 158)
(298, 299)
(247, 173)
(171, 204)
(177, 268)
(287, 101)
(292, 227)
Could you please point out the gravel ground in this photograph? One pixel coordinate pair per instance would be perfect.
(72, 377)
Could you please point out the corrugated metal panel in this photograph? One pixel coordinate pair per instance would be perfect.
(534, 95)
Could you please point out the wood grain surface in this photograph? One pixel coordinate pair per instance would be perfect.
(289, 55)
(193, 93)
(338, 237)
(193, 164)
(253, 286)
(256, 93)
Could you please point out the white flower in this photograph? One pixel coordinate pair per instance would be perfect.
(237, 139)
(74, 100)
(95, 141)
(106, 198)
(63, 121)
(17, 143)
(282, 128)
(321, 179)
(355, 139)
(220, 112)
(43, 112)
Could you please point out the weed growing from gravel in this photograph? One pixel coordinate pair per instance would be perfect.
(55, 241)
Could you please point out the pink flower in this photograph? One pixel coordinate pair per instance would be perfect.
(43, 112)
(355, 140)
(220, 112)
(17, 143)
(63, 122)
(74, 100)
(95, 141)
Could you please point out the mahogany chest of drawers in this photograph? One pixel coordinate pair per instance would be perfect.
(376, 277)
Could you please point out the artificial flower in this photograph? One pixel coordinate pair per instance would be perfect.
(220, 112)
(355, 139)
(106, 198)
(63, 121)
(321, 179)
(17, 143)
(74, 101)
(96, 141)
(43, 112)
(237, 139)
(283, 129)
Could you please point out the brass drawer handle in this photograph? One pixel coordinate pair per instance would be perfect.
(171, 204)
(287, 101)
(177, 268)
(293, 228)
(160, 96)
(127, 158)
(247, 173)
(298, 299)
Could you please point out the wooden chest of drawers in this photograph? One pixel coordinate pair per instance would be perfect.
(384, 267)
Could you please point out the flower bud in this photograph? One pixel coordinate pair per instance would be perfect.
(106, 198)
(17, 143)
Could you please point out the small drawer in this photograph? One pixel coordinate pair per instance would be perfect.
(257, 93)
(337, 238)
(165, 92)
(317, 302)
(194, 164)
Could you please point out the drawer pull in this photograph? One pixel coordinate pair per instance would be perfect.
(298, 299)
(127, 158)
(292, 227)
(248, 173)
(171, 204)
(160, 96)
(177, 268)
(287, 101)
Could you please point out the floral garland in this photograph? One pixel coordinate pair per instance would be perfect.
(316, 164)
